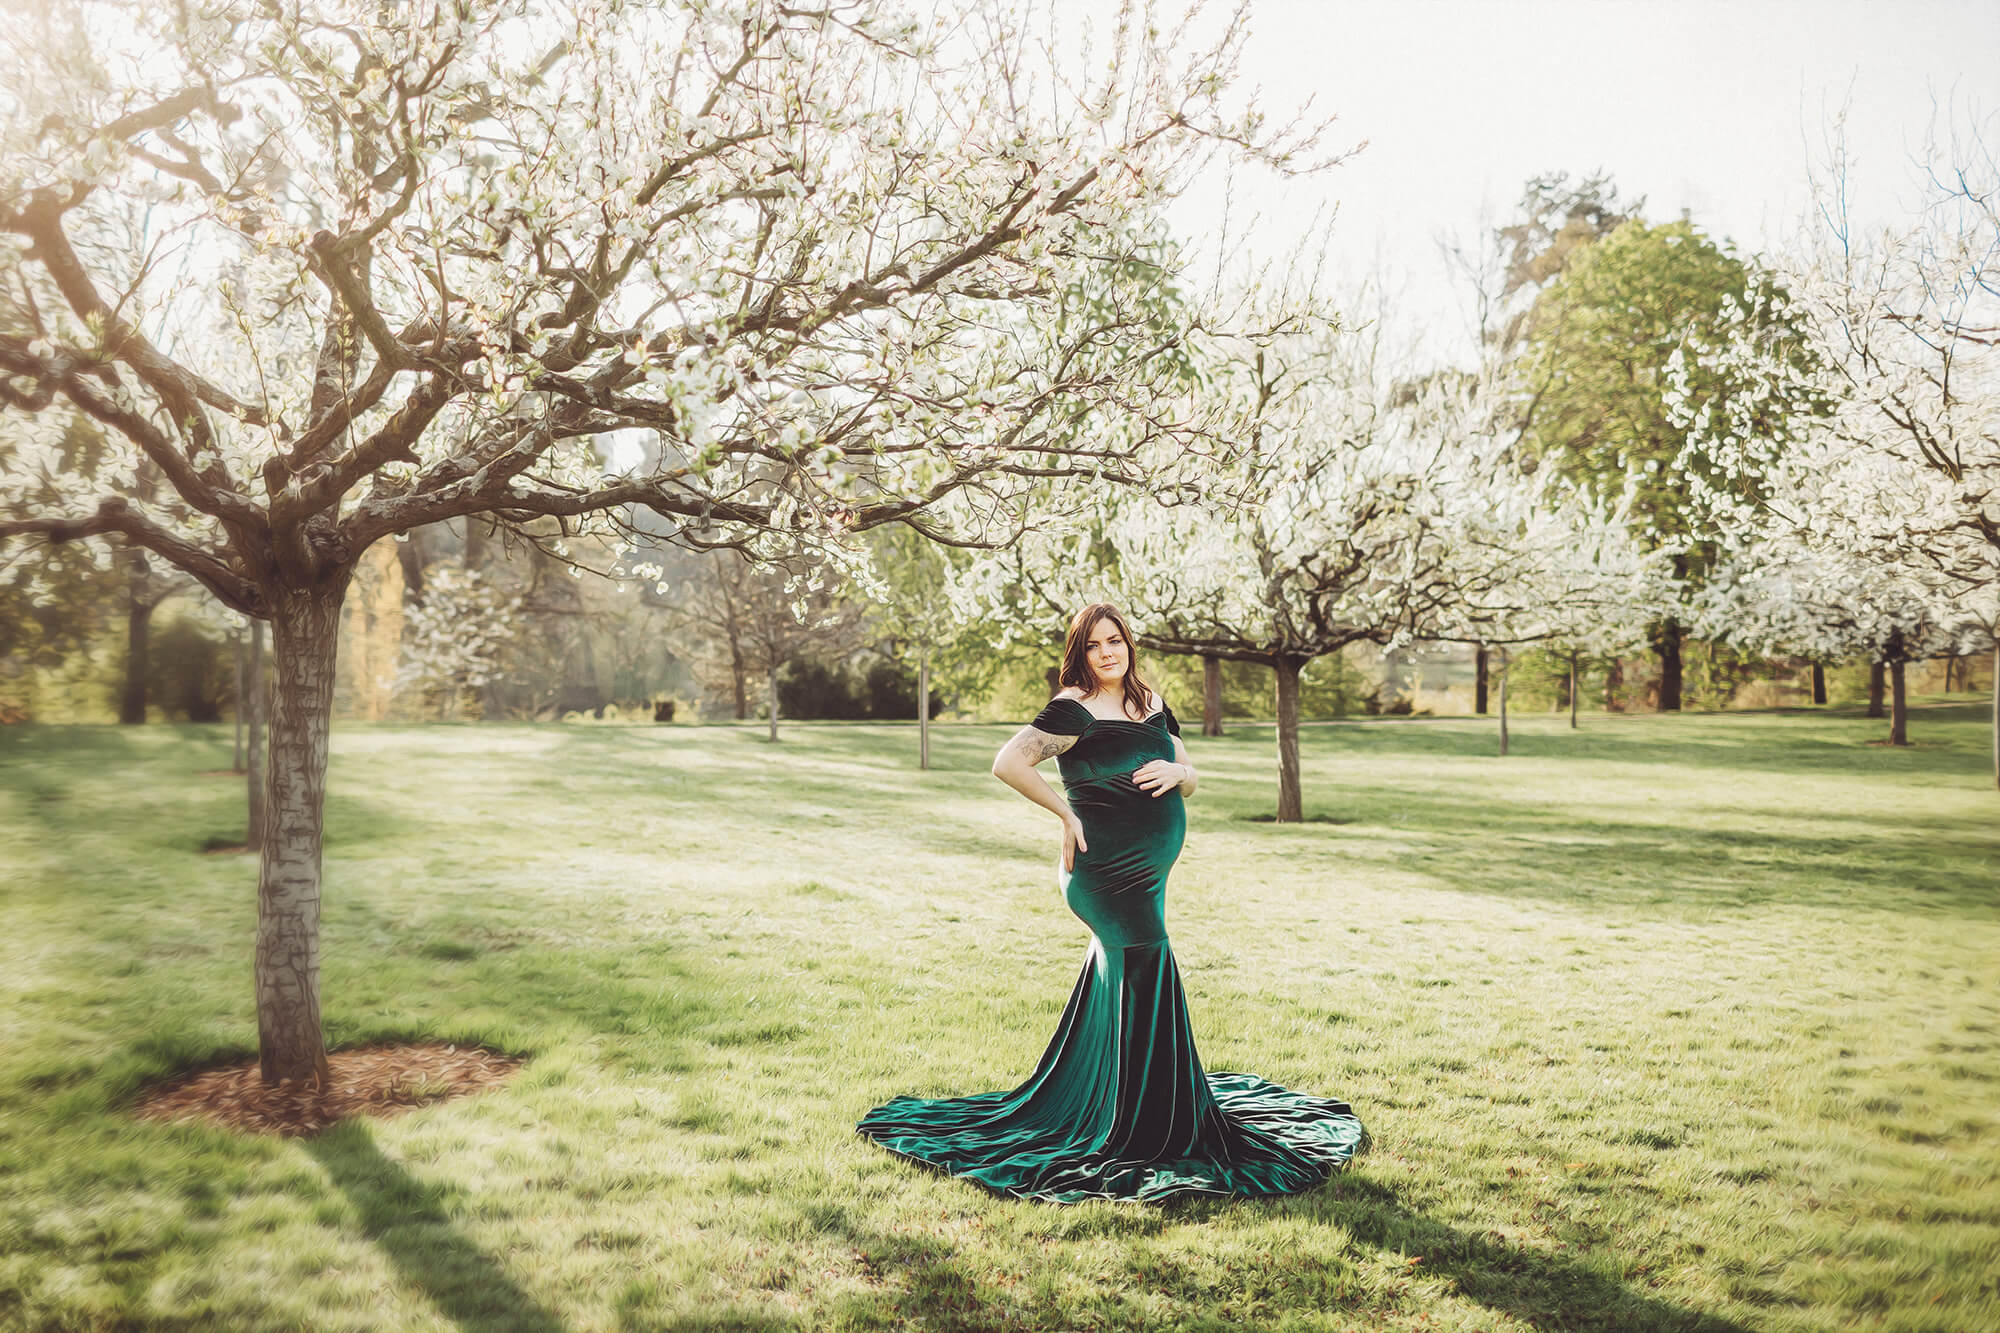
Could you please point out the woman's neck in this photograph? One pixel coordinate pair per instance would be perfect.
(1114, 692)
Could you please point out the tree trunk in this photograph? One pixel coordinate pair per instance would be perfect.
(1054, 677)
(1575, 680)
(1876, 680)
(739, 680)
(1614, 680)
(1996, 713)
(923, 706)
(1211, 696)
(1479, 679)
(1503, 703)
(236, 640)
(138, 626)
(475, 540)
(410, 555)
(256, 698)
(1899, 707)
(1291, 808)
(304, 631)
(1667, 642)
(1819, 682)
(771, 696)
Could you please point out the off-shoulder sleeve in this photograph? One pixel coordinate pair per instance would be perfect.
(1063, 717)
(1167, 716)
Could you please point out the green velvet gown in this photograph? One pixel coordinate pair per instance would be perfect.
(1120, 1107)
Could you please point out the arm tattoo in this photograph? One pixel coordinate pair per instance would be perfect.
(1035, 746)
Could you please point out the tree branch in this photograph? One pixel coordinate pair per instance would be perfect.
(114, 516)
(226, 504)
(183, 391)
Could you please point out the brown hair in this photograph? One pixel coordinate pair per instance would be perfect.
(1076, 672)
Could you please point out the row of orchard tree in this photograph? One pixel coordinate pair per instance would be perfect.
(868, 299)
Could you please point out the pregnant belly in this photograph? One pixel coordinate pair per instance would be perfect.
(1118, 887)
(1125, 823)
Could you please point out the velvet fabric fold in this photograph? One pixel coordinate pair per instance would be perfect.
(1119, 1106)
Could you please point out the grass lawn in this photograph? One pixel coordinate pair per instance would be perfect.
(1672, 1023)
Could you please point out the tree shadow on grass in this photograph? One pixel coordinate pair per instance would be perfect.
(914, 1277)
(1540, 1290)
(407, 1219)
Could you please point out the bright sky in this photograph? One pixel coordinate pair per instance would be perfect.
(1711, 107)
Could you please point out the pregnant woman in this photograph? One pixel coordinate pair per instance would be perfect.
(1119, 1107)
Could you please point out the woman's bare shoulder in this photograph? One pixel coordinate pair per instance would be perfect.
(1069, 692)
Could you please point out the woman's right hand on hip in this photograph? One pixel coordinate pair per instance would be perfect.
(1073, 842)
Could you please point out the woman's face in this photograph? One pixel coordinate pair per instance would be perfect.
(1107, 652)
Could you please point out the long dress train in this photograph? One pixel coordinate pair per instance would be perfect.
(1119, 1106)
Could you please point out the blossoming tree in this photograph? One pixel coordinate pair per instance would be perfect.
(342, 271)
(1366, 506)
(1878, 452)
(454, 637)
(1779, 592)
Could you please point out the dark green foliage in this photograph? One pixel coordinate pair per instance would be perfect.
(1538, 679)
(1595, 362)
(78, 603)
(1331, 686)
(871, 688)
(1715, 671)
(190, 673)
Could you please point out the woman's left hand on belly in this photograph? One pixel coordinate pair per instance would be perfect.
(1159, 776)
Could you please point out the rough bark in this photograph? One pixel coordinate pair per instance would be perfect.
(256, 699)
(1291, 808)
(1479, 680)
(1503, 703)
(1667, 642)
(1818, 682)
(771, 695)
(305, 630)
(1211, 696)
(923, 706)
(1876, 680)
(1575, 680)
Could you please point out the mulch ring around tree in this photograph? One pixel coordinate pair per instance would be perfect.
(374, 1081)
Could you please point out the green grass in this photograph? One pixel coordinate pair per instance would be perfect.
(1672, 1023)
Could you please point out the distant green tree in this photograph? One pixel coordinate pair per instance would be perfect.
(1593, 383)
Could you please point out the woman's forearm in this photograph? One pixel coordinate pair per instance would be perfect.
(1024, 779)
(1191, 781)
